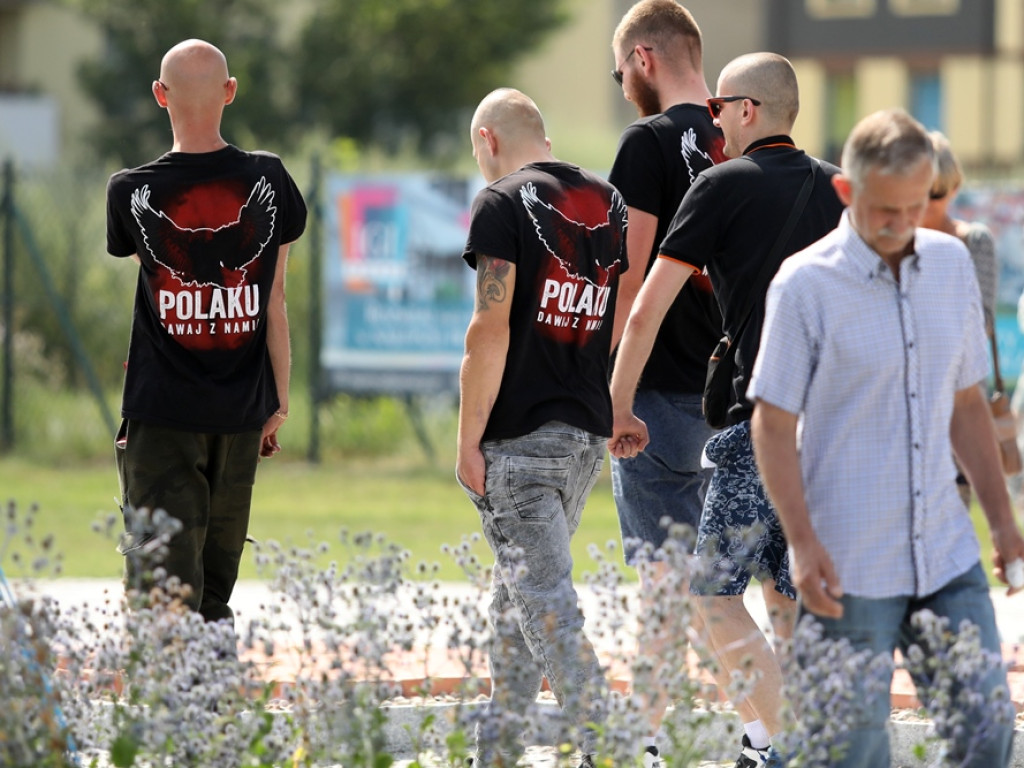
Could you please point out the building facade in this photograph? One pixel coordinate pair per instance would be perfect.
(957, 65)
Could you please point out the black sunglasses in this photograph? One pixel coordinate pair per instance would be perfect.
(617, 73)
(715, 103)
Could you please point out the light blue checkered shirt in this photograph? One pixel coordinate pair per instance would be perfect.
(871, 366)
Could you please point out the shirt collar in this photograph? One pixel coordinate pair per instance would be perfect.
(863, 257)
(767, 141)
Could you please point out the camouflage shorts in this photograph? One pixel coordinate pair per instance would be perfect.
(739, 536)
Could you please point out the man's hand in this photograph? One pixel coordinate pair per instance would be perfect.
(268, 440)
(629, 437)
(472, 470)
(1007, 547)
(815, 579)
(973, 435)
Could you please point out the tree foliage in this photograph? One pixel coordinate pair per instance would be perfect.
(389, 73)
(138, 32)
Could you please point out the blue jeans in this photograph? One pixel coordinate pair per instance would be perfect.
(536, 486)
(666, 480)
(881, 626)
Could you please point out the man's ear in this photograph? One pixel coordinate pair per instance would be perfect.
(490, 139)
(843, 187)
(230, 89)
(645, 60)
(159, 94)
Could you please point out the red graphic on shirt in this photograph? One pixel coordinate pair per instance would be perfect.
(206, 249)
(584, 235)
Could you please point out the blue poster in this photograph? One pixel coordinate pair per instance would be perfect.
(398, 295)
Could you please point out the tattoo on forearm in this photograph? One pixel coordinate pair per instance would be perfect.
(491, 275)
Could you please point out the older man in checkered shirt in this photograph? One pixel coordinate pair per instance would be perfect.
(868, 379)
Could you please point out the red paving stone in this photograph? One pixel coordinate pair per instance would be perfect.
(440, 671)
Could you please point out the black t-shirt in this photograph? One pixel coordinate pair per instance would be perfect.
(658, 159)
(565, 230)
(729, 221)
(207, 228)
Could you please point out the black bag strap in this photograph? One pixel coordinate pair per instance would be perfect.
(995, 363)
(772, 262)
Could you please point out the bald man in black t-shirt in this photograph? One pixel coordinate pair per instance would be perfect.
(206, 382)
(547, 240)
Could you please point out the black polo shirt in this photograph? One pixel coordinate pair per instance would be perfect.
(728, 222)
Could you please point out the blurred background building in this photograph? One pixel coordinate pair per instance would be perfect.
(956, 65)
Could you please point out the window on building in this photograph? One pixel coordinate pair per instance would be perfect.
(841, 112)
(924, 7)
(8, 47)
(840, 9)
(926, 99)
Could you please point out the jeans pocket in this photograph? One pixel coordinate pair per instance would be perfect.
(536, 485)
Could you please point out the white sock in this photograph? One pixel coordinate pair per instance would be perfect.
(757, 734)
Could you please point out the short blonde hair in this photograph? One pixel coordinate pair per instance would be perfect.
(666, 26)
(948, 174)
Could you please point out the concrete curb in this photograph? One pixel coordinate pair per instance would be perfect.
(412, 728)
(406, 720)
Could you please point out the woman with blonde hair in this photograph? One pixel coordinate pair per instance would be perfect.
(975, 235)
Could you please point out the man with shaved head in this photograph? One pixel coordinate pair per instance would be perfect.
(206, 382)
(728, 225)
(547, 241)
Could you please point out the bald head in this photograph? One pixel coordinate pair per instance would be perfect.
(770, 79)
(507, 133)
(512, 115)
(195, 75)
(194, 87)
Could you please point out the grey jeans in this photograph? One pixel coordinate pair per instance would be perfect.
(536, 486)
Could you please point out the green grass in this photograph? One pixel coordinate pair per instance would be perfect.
(415, 505)
(419, 508)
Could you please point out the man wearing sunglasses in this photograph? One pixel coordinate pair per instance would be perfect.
(658, 53)
(727, 225)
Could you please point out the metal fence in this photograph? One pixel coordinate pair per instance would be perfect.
(66, 308)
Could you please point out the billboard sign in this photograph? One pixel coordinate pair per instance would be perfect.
(398, 295)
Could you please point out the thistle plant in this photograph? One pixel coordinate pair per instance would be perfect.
(825, 684)
(139, 681)
(951, 671)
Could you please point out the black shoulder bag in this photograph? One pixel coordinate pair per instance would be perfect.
(722, 364)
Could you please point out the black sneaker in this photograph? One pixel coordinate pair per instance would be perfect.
(757, 758)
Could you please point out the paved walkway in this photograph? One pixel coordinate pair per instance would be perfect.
(251, 599)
